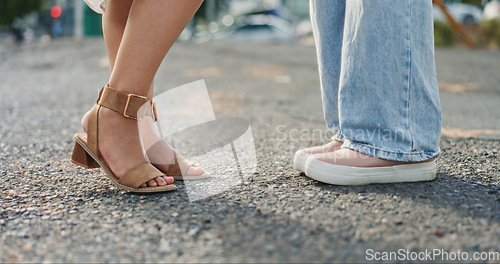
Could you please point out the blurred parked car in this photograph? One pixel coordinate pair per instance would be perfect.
(463, 13)
(492, 10)
(262, 28)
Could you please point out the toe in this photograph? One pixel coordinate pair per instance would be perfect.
(152, 183)
(144, 185)
(194, 170)
(168, 180)
(160, 181)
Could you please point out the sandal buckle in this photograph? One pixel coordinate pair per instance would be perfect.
(153, 110)
(128, 101)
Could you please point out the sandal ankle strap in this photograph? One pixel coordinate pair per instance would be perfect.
(124, 103)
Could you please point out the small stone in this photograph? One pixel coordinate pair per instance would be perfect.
(269, 248)
(27, 247)
(438, 233)
(194, 231)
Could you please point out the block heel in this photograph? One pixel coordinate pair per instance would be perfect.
(82, 158)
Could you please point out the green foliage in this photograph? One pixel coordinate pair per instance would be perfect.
(487, 34)
(443, 34)
(472, 2)
(490, 32)
(10, 9)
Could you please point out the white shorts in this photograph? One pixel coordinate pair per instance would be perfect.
(96, 5)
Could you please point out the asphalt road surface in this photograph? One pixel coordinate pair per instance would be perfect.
(54, 211)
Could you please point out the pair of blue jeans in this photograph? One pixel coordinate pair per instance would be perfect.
(378, 76)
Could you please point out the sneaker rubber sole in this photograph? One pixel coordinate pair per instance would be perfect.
(299, 160)
(347, 175)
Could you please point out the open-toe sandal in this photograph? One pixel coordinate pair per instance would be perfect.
(179, 170)
(86, 152)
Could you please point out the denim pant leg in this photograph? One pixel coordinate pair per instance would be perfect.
(327, 17)
(388, 100)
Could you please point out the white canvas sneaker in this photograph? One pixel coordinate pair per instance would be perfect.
(349, 167)
(300, 158)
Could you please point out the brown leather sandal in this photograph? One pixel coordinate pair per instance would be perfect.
(86, 152)
(178, 170)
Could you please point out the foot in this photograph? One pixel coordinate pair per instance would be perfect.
(120, 146)
(301, 156)
(350, 157)
(161, 157)
(159, 152)
(349, 167)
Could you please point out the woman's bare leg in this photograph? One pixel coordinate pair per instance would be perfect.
(113, 24)
(151, 29)
(114, 21)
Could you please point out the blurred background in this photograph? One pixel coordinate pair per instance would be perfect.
(53, 61)
(29, 21)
